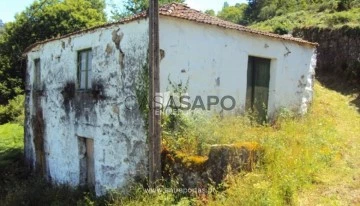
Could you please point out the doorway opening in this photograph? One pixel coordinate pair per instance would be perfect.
(87, 169)
(257, 94)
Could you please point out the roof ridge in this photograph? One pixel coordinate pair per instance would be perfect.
(181, 11)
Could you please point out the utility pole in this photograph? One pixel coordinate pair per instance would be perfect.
(154, 138)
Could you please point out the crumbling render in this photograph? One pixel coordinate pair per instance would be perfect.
(38, 126)
(68, 94)
(198, 171)
(98, 90)
(287, 49)
(162, 54)
(108, 49)
(117, 36)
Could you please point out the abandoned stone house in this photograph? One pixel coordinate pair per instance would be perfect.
(79, 129)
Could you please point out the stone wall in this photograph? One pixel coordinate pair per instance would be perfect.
(338, 53)
(222, 161)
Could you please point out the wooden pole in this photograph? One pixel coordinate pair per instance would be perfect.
(154, 117)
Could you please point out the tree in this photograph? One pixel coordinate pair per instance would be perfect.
(1, 26)
(253, 9)
(42, 20)
(135, 6)
(210, 12)
(235, 14)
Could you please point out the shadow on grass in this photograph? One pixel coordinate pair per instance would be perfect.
(9, 156)
(356, 102)
(342, 85)
(18, 186)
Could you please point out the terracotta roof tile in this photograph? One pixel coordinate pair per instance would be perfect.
(182, 11)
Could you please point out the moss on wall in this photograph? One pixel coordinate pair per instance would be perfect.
(195, 171)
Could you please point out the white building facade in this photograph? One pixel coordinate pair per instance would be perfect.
(80, 129)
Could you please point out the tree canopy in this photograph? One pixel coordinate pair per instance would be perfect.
(135, 6)
(210, 12)
(257, 11)
(41, 20)
(234, 14)
(1, 26)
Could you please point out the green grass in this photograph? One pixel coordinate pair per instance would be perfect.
(20, 187)
(300, 152)
(11, 142)
(308, 160)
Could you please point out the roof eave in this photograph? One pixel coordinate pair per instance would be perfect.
(143, 15)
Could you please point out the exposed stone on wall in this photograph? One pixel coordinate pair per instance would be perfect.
(29, 152)
(338, 53)
(68, 94)
(38, 130)
(117, 36)
(306, 86)
(190, 171)
(198, 171)
(59, 116)
(225, 159)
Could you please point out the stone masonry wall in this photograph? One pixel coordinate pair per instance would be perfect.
(338, 53)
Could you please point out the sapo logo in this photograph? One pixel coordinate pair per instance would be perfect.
(169, 102)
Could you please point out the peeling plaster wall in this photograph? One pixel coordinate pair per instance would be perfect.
(214, 60)
(120, 149)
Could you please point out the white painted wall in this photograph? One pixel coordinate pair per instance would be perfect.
(119, 136)
(196, 52)
(208, 52)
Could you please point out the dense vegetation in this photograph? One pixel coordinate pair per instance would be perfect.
(281, 16)
(132, 7)
(41, 20)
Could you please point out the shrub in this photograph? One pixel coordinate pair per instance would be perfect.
(14, 111)
(281, 30)
(338, 18)
(344, 5)
(328, 5)
(267, 12)
(355, 4)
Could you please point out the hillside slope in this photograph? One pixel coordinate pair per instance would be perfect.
(324, 19)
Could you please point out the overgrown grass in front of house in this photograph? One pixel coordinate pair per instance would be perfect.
(300, 155)
(299, 152)
(297, 149)
(11, 143)
(19, 187)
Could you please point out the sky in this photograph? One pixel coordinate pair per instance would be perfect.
(8, 8)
